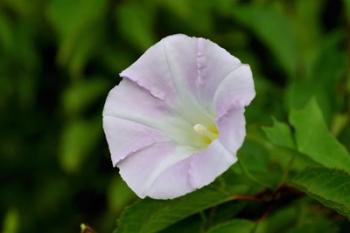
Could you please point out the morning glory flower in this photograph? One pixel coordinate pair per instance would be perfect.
(176, 120)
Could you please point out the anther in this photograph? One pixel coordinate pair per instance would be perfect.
(203, 131)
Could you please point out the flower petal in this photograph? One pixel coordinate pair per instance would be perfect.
(236, 90)
(173, 182)
(159, 69)
(133, 103)
(128, 100)
(210, 163)
(151, 72)
(214, 65)
(231, 128)
(169, 71)
(125, 137)
(157, 171)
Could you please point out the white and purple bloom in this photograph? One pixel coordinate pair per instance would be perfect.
(176, 120)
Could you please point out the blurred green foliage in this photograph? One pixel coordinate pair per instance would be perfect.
(59, 59)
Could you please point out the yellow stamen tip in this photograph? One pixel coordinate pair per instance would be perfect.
(203, 131)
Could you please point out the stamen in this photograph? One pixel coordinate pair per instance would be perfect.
(203, 131)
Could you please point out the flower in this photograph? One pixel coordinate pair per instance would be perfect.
(176, 120)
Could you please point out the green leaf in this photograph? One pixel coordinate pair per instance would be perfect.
(79, 26)
(315, 227)
(274, 29)
(22, 7)
(6, 32)
(327, 73)
(314, 139)
(299, 216)
(192, 224)
(256, 163)
(136, 24)
(322, 81)
(280, 134)
(182, 12)
(78, 140)
(306, 21)
(119, 194)
(347, 8)
(280, 220)
(330, 187)
(224, 212)
(236, 225)
(11, 222)
(81, 95)
(148, 216)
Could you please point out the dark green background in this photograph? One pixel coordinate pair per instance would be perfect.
(59, 59)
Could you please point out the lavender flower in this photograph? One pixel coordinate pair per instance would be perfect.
(176, 120)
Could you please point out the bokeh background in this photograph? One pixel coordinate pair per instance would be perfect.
(59, 59)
